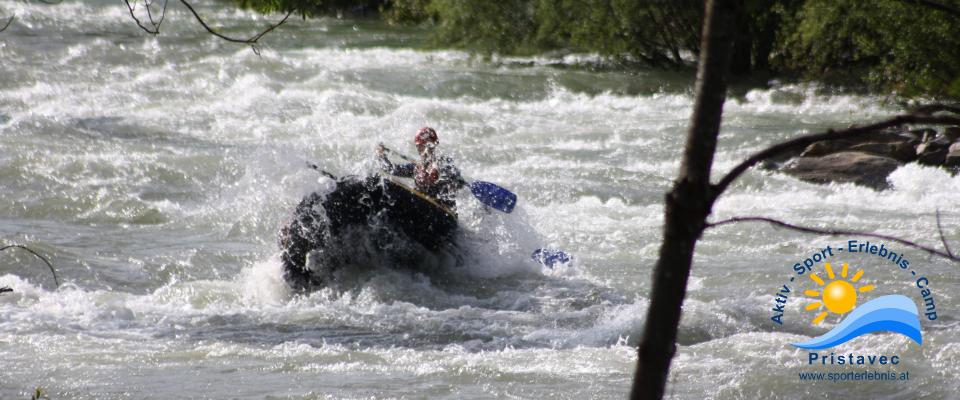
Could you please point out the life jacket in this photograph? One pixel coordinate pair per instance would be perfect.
(425, 176)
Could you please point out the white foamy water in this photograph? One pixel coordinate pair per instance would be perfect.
(154, 172)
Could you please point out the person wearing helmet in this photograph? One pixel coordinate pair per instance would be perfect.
(434, 175)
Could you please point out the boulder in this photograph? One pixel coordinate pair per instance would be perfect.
(824, 147)
(924, 134)
(776, 162)
(933, 152)
(934, 158)
(916, 134)
(953, 156)
(874, 143)
(952, 133)
(861, 168)
(900, 151)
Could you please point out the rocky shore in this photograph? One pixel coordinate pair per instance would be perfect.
(869, 159)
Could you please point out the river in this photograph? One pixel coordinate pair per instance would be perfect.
(154, 172)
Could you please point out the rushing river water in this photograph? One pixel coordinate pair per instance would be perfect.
(154, 171)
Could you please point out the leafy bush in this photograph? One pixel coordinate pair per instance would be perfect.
(886, 44)
(314, 8)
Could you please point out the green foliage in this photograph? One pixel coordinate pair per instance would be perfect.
(406, 11)
(39, 394)
(485, 26)
(882, 44)
(648, 31)
(653, 32)
(314, 8)
(886, 44)
(953, 90)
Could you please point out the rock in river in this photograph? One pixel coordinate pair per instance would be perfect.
(857, 167)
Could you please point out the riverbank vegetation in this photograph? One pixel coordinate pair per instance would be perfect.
(907, 47)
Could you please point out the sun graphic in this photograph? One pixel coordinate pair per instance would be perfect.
(838, 296)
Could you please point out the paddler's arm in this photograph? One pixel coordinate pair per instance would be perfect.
(402, 170)
(451, 173)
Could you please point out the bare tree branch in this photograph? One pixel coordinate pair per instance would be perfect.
(804, 141)
(20, 246)
(943, 239)
(930, 109)
(837, 232)
(687, 204)
(132, 8)
(163, 13)
(947, 8)
(154, 27)
(7, 25)
(251, 40)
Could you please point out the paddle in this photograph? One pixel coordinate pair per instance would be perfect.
(320, 170)
(489, 194)
(549, 258)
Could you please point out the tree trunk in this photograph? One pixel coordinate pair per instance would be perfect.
(687, 205)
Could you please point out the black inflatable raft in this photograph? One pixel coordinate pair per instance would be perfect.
(376, 219)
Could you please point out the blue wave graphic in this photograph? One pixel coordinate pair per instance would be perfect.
(893, 313)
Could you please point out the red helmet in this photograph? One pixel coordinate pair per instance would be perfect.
(426, 135)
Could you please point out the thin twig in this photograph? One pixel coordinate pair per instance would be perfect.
(252, 40)
(806, 140)
(20, 246)
(9, 21)
(943, 239)
(132, 8)
(930, 109)
(147, 4)
(401, 155)
(835, 232)
(156, 24)
(163, 13)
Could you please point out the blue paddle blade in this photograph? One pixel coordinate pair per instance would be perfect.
(550, 257)
(493, 196)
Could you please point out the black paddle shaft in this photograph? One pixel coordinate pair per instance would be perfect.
(401, 155)
(406, 158)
